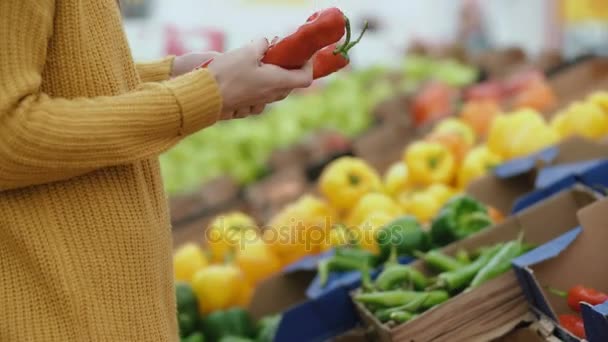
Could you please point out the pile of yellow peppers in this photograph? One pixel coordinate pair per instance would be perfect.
(355, 200)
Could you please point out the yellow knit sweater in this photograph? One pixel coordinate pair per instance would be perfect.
(85, 240)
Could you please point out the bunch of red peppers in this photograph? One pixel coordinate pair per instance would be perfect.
(318, 39)
(575, 296)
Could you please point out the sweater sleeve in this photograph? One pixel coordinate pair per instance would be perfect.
(45, 139)
(155, 71)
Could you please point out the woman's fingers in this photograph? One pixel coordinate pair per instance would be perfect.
(258, 109)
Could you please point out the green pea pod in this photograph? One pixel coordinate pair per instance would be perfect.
(401, 316)
(401, 297)
(384, 315)
(439, 261)
(396, 275)
(231, 322)
(460, 278)
(498, 264)
(463, 257)
(339, 263)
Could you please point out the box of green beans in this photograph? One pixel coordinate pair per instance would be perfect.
(467, 290)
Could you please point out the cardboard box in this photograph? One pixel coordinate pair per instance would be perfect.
(568, 261)
(518, 177)
(577, 80)
(496, 307)
(541, 330)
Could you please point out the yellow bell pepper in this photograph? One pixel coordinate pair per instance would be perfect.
(429, 162)
(338, 236)
(226, 232)
(457, 126)
(520, 133)
(188, 259)
(299, 229)
(477, 163)
(257, 261)
(422, 204)
(346, 180)
(365, 233)
(586, 119)
(396, 179)
(441, 192)
(369, 203)
(218, 287)
(600, 98)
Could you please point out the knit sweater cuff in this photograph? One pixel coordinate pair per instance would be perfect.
(199, 98)
(155, 71)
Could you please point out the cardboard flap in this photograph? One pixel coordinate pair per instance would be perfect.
(564, 262)
(577, 149)
(596, 322)
(319, 319)
(279, 292)
(540, 195)
(553, 174)
(500, 193)
(547, 251)
(596, 177)
(526, 164)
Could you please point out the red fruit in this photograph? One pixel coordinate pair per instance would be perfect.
(490, 90)
(432, 102)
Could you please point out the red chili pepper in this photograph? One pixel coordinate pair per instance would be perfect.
(579, 293)
(323, 28)
(334, 57)
(574, 324)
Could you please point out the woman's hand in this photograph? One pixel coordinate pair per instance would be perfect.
(247, 85)
(185, 63)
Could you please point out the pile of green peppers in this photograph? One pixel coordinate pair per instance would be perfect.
(401, 292)
(459, 218)
(232, 325)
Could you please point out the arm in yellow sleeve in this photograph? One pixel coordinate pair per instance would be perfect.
(45, 139)
(155, 71)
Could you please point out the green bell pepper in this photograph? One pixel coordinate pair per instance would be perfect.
(187, 308)
(195, 337)
(234, 322)
(405, 234)
(459, 218)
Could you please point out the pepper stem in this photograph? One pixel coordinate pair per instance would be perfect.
(349, 46)
(557, 292)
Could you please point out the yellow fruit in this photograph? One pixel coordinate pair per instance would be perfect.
(370, 203)
(520, 133)
(421, 204)
(218, 287)
(346, 180)
(366, 232)
(299, 229)
(441, 192)
(457, 126)
(586, 119)
(600, 98)
(257, 261)
(396, 179)
(429, 163)
(226, 232)
(187, 260)
(477, 163)
(338, 236)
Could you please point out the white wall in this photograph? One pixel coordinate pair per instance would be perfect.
(243, 20)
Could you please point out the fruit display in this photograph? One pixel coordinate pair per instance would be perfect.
(241, 148)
